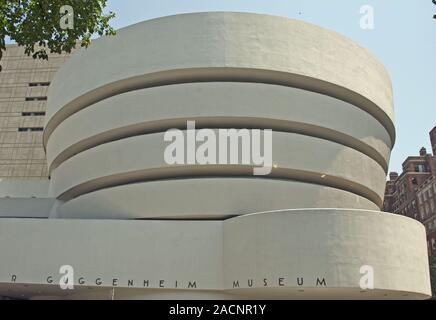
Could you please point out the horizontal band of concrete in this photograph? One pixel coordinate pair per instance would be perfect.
(290, 254)
(209, 172)
(222, 123)
(219, 105)
(26, 207)
(21, 189)
(208, 198)
(293, 156)
(219, 47)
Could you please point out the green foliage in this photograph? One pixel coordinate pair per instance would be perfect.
(36, 23)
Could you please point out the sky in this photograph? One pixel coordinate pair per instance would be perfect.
(403, 39)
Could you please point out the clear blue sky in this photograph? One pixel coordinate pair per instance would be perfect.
(404, 40)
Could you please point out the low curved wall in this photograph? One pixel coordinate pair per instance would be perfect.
(298, 253)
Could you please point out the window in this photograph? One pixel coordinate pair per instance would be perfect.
(36, 98)
(33, 114)
(39, 84)
(414, 181)
(420, 168)
(28, 129)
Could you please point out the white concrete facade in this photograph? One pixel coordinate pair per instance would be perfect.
(230, 258)
(134, 226)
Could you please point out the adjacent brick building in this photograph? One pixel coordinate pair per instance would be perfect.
(24, 83)
(413, 192)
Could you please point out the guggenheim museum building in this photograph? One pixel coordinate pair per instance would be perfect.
(114, 220)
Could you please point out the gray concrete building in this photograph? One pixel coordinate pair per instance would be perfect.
(117, 220)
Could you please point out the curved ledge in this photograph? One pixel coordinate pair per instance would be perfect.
(212, 198)
(223, 123)
(334, 228)
(206, 171)
(194, 75)
(293, 151)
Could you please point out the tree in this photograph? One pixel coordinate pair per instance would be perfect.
(434, 2)
(55, 26)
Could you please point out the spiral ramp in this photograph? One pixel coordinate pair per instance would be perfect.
(305, 230)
